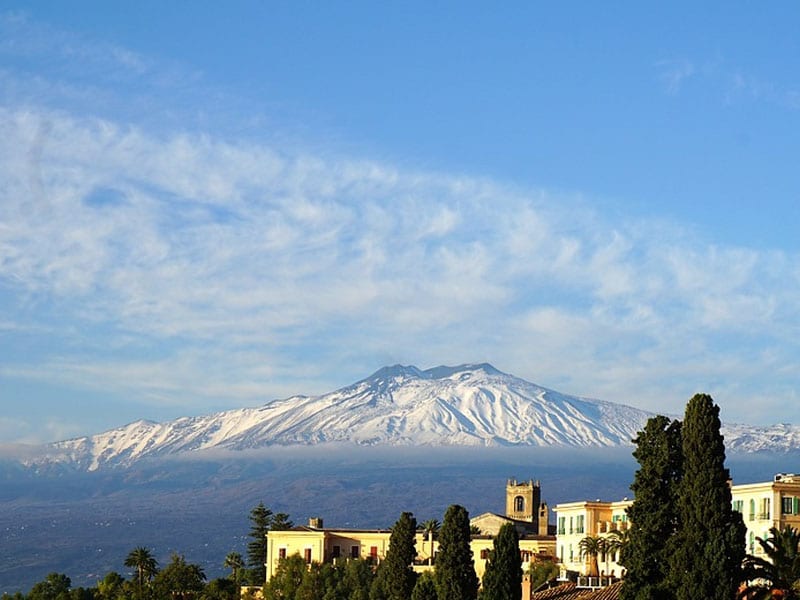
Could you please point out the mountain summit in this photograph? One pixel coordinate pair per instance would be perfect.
(467, 405)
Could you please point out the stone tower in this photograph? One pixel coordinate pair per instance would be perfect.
(522, 500)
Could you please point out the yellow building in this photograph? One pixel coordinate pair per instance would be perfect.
(318, 544)
(577, 520)
(773, 503)
(763, 505)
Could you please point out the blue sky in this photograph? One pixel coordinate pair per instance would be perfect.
(206, 206)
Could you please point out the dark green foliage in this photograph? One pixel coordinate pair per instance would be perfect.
(780, 570)
(260, 522)
(708, 548)
(179, 579)
(287, 578)
(425, 588)
(654, 512)
(55, 586)
(503, 577)
(146, 567)
(357, 580)
(455, 572)
(542, 571)
(235, 563)
(110, 587)
(280, 522)
(221, 589)
(396, 578)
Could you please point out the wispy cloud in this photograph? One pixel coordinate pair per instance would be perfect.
(232, 261)
(187, 267)
(674, 73)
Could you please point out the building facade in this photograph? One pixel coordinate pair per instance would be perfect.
(577, 520)
(317, 544)
(769, 504)
(763, 505)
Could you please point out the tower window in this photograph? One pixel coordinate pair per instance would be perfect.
(519, 504)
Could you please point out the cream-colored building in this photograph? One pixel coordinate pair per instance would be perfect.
(318, 544)
(773, 503)
(763, 505)
(577, 520)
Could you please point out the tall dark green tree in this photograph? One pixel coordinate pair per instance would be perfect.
(709, 546)
(455, 571)
(396, 578)
(654, 512)
(425, 588)
(260, 523)
(502, 579)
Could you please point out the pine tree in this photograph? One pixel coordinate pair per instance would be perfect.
(261, 521)
(503, 577)
(709, 547)
(455, 572)
(396, 577)
(653, 514)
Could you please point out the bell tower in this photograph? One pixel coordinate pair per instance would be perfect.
(522, 500)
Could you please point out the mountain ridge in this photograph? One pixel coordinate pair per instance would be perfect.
(397, 405)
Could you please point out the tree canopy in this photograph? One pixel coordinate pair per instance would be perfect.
(455, 571)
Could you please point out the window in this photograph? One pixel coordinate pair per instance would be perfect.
(764, 512)
(484, 553)
(788, 505)
(373, 552)
(281, 553)
(571, 554)
(519, 504)
(579, 524)
(337, 551)
(354, 552)
(562, 527)
(571, 526)
(738, 506)
(752, 510)
(751, 542)
(307, 555)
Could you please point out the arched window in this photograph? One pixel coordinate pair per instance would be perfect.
(519, 504)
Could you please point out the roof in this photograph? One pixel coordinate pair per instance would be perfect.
(610, 592)
(569, 591)
(566, 591)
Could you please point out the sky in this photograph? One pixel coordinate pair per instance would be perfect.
(206, 206)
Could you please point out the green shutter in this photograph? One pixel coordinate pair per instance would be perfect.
(796, 505)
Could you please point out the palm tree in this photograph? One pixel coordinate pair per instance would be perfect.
(235, 562)
(146, 566)
(777, 575)
(614, 543)
(431, 528)
(590, 547)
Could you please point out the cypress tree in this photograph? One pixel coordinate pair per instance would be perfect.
(425, 589)
(399, 574)
(709, 546)
(654, 513)
(455, 572)
(503, 577)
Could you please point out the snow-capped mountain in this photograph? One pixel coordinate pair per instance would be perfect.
(468, 405)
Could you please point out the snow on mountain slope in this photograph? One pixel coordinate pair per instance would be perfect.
(467, 405)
